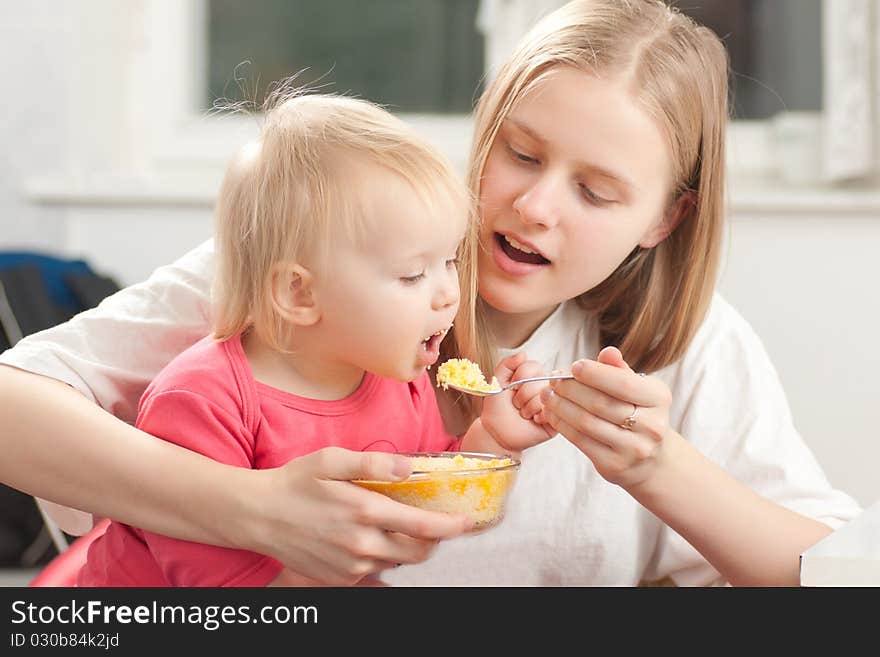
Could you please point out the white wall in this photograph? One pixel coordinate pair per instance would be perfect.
(34, 54)
(808, 284)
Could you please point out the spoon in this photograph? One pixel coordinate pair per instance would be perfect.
(512, 384)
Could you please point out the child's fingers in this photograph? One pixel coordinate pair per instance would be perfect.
(532, 408)
(505, 370)
(527, 391)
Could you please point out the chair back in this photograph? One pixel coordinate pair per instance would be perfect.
(64, 569)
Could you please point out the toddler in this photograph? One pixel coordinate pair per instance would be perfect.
(340, 235)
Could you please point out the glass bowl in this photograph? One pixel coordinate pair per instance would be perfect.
(469, 483)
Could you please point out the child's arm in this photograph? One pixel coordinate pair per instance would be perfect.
(509, 422)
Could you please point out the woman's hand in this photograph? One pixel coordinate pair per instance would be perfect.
(308, 515)
(513, 417)
(592, 411)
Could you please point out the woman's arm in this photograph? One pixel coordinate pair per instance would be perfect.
(749, 539)
(746, 537)
(110, 353)
(60, 446)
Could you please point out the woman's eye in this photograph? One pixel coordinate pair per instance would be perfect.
(522, 157)
(452, 262)
(415, 278)
(592, 197)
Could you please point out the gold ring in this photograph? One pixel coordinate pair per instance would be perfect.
(629, 422)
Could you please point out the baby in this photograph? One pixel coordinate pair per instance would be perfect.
(340, 236)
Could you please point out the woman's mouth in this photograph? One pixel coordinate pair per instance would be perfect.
(514, 257)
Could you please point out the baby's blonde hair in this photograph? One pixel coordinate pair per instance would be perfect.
(289, 196)
(655, 301)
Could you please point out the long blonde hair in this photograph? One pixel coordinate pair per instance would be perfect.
(656, 299)
(288, 196)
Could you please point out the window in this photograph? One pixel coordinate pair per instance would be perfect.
(423, 58)
(414, 56)
(775, 50)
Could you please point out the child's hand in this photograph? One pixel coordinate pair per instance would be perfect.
(514, 418)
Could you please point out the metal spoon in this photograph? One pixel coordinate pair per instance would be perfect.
(512, 384)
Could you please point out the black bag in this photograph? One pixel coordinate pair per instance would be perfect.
(37, 291)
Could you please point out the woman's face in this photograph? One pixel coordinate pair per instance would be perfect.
(578, 176)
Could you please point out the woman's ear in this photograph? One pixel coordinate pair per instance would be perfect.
(294, 296)
(679, 209)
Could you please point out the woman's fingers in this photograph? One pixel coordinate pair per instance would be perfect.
(583, 421)
(583, 427)
(368, 549)
(359, 537)
(345, 465)
(377, 510)
(373, 509)
(598, 452)
(336, 531)
(573, 397)
(616, 383)
(612, 356)
(401, 548)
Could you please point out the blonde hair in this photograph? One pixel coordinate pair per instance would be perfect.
(289, 195)
(654, 302)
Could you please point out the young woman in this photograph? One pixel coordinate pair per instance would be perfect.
(598, 165)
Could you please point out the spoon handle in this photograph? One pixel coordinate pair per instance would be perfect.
(549, 377)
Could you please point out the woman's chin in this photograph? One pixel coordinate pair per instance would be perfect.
(511, 299)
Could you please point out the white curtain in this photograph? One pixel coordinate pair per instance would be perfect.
(503, 22)
(851, 88)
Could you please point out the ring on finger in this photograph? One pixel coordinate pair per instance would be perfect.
(630, 421)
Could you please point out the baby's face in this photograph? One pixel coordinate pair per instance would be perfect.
(389, 298)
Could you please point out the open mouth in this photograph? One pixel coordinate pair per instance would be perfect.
(519, 252)
(432, 342)
(431, 346)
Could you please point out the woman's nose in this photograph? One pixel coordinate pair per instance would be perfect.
(540, 202)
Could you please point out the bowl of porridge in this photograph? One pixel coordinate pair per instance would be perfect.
(469, 483)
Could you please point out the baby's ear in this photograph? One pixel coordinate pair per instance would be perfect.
(680, 208)
(293, 294)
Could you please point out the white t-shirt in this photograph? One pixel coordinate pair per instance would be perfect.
(565, 525)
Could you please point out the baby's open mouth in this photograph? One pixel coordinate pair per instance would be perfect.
(519, 252)
(431, 344)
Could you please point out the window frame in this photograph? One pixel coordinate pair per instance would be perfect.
(175, 148)
(183, 137)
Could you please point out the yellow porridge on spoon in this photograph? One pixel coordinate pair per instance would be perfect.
(462, 373)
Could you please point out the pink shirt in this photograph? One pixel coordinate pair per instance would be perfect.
(207, 400)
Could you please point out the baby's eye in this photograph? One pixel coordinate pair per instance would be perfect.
(412, 280)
